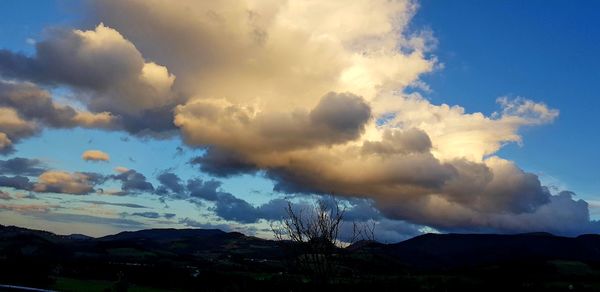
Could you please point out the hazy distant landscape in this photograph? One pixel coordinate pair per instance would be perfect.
(213, 260)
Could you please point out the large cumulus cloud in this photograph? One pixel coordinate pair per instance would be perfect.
(314, 95)
(356, 134)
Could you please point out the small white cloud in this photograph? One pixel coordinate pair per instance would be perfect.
(95, 155)
(121, 169)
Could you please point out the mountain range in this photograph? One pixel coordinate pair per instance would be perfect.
(40, 258)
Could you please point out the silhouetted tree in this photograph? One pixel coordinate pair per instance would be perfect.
(312, 236)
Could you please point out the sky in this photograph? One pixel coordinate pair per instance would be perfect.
(419, 116)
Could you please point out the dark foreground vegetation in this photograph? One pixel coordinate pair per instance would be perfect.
(213, 260)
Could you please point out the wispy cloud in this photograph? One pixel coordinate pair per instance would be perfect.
(127, 205)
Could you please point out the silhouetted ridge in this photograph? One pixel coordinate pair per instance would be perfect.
(453, 250)
(427, 251)
(162, 234)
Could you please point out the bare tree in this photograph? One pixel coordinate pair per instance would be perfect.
(363, 231)
(312, 236)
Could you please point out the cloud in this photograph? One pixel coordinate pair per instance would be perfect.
(54, 181)
(317, 96)
(25, 110)
(396, 141)
(337, 118)
(16, 182)
(526, 110)
(5, 196)
(594, 207)
(227, 206)
(108, 73)
(274, 209)
(13, 125)
(359, 211)
(13, 128)
(121, 169)
(36, 104)
(231, 208)
(112, 192)
(90, 219)
(277, 45)
(223, 163)
(95, 155)
(95, 178)
(561, 215)
(340, 114)
(133, 181)
(392, 231)
(5, 144)
(126, 205)
(170, 182)
(150, 215)
(27, 208)
(320, 101)
(22, 166)
(48, 181)
(206, 190)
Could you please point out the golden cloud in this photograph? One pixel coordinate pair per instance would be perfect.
(95, 155)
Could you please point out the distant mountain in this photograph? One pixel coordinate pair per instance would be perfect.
(189, 258)
(11, 232)
(193, 244)
(163, 234)
(79, 237)
(464, 250)
(424, 251)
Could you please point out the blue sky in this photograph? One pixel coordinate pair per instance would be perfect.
(545, 52)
